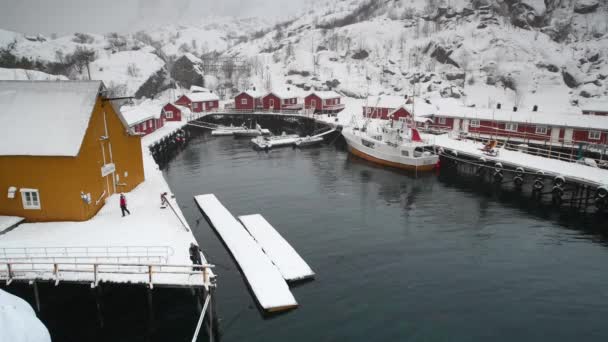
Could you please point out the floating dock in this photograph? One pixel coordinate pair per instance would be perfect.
(263, 277)
(286, 259)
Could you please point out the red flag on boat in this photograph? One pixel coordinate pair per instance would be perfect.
(416, 135)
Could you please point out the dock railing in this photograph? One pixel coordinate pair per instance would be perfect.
(94, 271)
(162, 252)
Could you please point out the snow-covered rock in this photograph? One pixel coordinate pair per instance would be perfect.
(586, 6)
(129, 69)
(18, 321)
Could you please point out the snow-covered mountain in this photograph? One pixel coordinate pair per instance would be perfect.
(125, 62)
(552, 53)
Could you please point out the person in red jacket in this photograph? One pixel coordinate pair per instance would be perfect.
(123, 205)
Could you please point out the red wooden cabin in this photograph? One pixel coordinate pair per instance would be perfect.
(248, 100)
(385, 107)
(199, 102)
(324, 102)
(172, 112)
(281, 100)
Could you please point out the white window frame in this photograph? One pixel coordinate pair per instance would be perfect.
(244, 101)
(595, 135)
(368, 110)
(511, 127)
(169, 114)
(194, 105)
(150, 124)
(541, 129)
(31, 205)
(313, 103)
(271, 103)
(475, 123)
(441, 120)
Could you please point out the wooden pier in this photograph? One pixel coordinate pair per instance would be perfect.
(264, 279)
(565, 184)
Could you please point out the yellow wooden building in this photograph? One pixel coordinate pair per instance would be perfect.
(64, 149)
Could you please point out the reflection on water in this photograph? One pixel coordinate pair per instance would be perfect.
(397, 257)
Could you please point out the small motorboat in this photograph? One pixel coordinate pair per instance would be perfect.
(226, 130)
(251, 132)
(308, 141)
(275, 141)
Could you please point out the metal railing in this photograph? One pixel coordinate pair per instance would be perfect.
(93, 271)
(162, 252)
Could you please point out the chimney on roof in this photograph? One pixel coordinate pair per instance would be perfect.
(515, 109)
(288, 89)
(498, 105)
(253, 88)
(405, 96)
(535, 108)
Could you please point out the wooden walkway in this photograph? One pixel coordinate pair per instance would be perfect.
(264, 279)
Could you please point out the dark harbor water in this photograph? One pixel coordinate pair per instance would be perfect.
(397, 258)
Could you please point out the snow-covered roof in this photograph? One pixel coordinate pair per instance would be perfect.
(253, 93)
(145, 111)
(324, 95)
(283, 94)
(185, 110)
(596, 106)
(45, 118)
(201, 97)
(385, 101)
(192, 58)
(197, 89)
(523, 116)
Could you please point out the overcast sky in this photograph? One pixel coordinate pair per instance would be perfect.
(101, 16)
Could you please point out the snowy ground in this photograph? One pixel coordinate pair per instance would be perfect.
(147, 226)
(18, 321)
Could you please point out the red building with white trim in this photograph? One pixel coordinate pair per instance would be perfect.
(172, 112)
(324, 102)
(385, 107)
(281, 100)
(528, 126)
(249, 100)
(596, 108)
(144, 118)
(199, 102)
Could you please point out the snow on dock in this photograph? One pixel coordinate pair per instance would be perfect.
(265, 280)
(531, 163)
(150, 236)
(285, 257)
(7, 222)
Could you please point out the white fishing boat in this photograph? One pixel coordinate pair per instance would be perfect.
(391, 143)
(308, 141)
(226, 130)
(251, 132)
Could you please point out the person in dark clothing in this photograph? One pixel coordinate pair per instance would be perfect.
(195, 256)
(123, 205)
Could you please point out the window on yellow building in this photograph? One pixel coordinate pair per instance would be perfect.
(30, 198)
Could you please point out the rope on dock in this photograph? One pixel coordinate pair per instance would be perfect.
(201, 318)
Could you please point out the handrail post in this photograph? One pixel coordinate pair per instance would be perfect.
(10, 274)
(150, 276)
(56, 273)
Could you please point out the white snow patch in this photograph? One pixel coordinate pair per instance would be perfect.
(18, 321)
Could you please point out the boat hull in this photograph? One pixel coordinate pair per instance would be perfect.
(395, 161)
